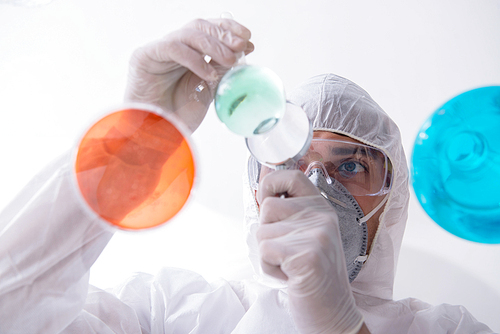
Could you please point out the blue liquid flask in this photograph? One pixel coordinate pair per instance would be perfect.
(456, 165)
(250, 100)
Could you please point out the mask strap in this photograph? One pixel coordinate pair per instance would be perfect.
(374, 211)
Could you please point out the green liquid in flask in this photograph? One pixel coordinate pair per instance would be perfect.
(250, 100)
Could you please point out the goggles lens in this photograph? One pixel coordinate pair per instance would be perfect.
(363, 170)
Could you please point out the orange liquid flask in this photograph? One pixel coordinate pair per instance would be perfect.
(135, 168)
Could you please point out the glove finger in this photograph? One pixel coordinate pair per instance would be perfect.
(291, 182)
(288, 252)
(301, 223)
(271, 256)
(250, 47)
(224, 30)
(275, 230)
(169, 53)
(184, 55)
(237, 37)
(188, 47)
(233, 26)
(274, 271)
(275, 209)
(206, 44)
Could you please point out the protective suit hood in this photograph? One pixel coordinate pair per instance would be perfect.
(338, 105)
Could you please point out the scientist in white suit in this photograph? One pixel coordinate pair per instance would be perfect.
(332, 244)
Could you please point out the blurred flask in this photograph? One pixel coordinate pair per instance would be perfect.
(456, 165)
(135, 167)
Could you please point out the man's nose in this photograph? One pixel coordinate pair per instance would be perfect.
(314, 165)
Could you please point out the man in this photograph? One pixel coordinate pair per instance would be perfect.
(342, 111)
(48, 240)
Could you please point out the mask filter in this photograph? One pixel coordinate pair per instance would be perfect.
(353, 228)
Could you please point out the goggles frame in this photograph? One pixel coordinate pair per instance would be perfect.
(255, 167)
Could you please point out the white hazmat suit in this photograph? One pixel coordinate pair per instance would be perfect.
(48, 242)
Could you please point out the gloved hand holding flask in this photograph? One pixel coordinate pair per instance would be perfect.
(167, 72)
(300, 241)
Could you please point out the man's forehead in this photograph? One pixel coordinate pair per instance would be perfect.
(322, 134)
(343, 148)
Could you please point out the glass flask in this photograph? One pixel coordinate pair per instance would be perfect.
(286, 143)
(456, 165)
(250, 100)
(135, 167)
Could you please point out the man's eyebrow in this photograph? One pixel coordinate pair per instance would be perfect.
(348, 151)
(345, 150)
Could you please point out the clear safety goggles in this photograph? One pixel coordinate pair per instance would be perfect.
(363, 170)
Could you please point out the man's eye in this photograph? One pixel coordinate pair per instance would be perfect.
(349, 169)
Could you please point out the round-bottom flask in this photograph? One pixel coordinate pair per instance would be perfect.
(456, 165)
(135, 167)
(250, 100)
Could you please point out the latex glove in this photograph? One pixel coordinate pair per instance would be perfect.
(299, 241)
(166, 72)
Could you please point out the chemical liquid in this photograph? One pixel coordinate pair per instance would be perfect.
(250, 100)
(135, 169)
(456, 165)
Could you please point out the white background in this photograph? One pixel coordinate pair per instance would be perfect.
(62, 64)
